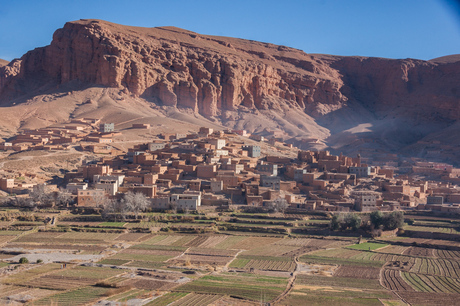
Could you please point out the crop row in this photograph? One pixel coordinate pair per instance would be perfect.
(443, 267)
(392, 280)
(447, 254)
(197, 300)
(431, 283)
(80, 296)
(271, 265)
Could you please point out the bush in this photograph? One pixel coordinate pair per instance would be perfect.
(345, 221)
(23, 260)
(39, 261)
(387, 221)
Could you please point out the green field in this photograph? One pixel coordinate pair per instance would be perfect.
(367, 246)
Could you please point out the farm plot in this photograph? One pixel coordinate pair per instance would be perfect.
(167, 299)
(6, 290)
(229, 242)
(72, 278)
(6, 238)
(196, 241)
(357, 272)
(442, 267)
(447, 254)
(89, 248)
(302, 242)
(343, 282)
(30, 274)
(419, 252)
(315, 259)
(197, 299)
(246, 286)
(432, 283)
(211, 252)
(85, 238)
(271, 250)
(81, 296)
(392, 249)
(131, 237)
(269, 263)
(424, 298)
(367, 246)
(198, 256)
(392, 280)
(324, 290)
(175, 240)
(151, 284)
(254, 242)
(39, 237)
(212, 241)
(338, 253)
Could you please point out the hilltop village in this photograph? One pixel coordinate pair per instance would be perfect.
(222, 169)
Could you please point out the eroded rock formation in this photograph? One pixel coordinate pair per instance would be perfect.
(209, 74)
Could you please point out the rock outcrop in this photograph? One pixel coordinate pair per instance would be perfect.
(208, 74)
(176, 67)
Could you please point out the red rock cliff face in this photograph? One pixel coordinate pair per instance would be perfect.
(422, 90)
(209, 74)
(180, 68)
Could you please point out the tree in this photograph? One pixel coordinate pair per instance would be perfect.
(136, 202)
(345, 222)
(40, 196)
(281, 205)
(353, 221)
(335, 222)
(394, 220)
(115, 208)
(376, 219)
(63, 197)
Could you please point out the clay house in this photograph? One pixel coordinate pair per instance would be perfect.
(106, 127)
(73, 188)
(272, 182)
(365, 200)
(91, 198)
(253, 151)
(217, 143)
(141, 126)
(206, 171)
(89, 171)
(185, 201)
(109, 186)
(6, 184)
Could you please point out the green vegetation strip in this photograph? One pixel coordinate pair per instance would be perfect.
(158, 247)
(340, 261)
(247, 286)
(367, 246)
(167, 299)
(80, 296)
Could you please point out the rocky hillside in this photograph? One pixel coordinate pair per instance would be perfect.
(213, 76)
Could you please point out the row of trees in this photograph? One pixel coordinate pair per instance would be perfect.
(377, 221)
(40, 197)
(131, 202)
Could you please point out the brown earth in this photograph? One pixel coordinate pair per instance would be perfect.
(171, 77)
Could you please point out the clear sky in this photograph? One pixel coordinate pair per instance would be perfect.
(422, 29)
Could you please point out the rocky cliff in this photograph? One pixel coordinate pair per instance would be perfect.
(209, 74)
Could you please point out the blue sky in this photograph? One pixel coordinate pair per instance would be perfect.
(422, 29)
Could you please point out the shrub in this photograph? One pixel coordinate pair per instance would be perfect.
(39, 261)
(23, 260)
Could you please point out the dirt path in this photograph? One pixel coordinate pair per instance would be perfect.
(234, 257)
(290, 284)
